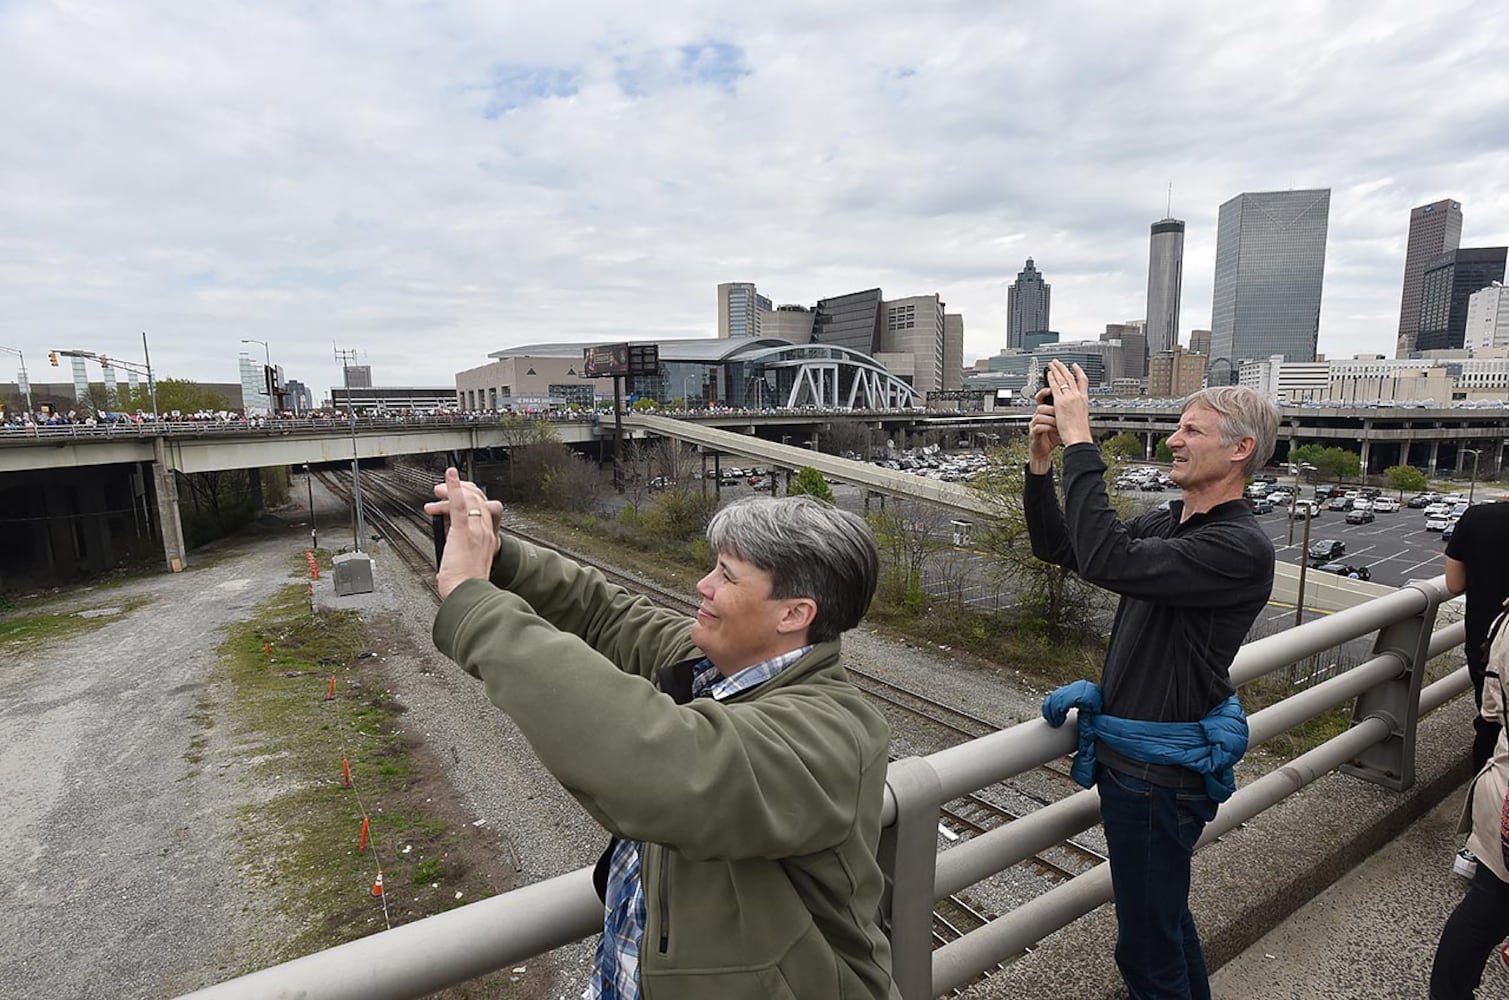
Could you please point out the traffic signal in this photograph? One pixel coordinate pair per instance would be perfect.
(53, 357)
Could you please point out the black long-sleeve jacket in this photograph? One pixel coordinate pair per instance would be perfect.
(1189, 591)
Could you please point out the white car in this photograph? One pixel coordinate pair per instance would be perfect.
(1385, 505)
(1362, 503)
(1436, 510)
(1438, 522)
(1280, 498)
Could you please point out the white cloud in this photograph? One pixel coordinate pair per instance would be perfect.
(428, 183)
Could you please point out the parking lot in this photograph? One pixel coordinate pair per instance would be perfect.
(1396, 547)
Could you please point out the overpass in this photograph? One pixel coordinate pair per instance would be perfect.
(151, 454)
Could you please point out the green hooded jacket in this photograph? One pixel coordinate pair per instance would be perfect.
(759, 815)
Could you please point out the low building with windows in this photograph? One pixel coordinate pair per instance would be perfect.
(738, 372)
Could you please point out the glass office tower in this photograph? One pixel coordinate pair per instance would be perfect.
(1434, 229)
(1270, 265)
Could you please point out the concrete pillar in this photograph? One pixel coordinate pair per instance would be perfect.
(254, 487)
(166, 488)
(1435, 452)
(1404, 452)
(1498, 459)
(98, 554)
(1365, 449)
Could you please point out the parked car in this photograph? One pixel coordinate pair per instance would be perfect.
(1338, 503)
(1360, 515)
(1327, 550)
(1447, 531)
(1343, 569)
(1420, 500)
(660, 483)
(1260, 505)
(1278, 497)
(1438, 522)
(1301, 508)
(1385, 505)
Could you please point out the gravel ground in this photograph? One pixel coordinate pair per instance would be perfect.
(120, 881)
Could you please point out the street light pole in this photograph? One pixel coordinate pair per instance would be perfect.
(1473, 482)
(267, 364)
(30, 413)
(686, 392)
(345, 358)
(314, 533)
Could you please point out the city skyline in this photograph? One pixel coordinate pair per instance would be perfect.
(430, 184)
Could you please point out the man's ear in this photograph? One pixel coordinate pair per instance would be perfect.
(1244, 449)
(799, 614)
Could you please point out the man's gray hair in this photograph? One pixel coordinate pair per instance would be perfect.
(810, 549)
(1244, 412)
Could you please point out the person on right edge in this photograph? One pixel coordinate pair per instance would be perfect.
(1477, 562)
(1160, 733)
(1481, 920)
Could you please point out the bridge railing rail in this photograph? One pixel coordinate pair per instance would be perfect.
(1385, 691)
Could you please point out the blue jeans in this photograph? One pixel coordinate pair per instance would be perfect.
(1151, 832)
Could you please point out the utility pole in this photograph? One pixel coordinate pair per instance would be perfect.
(1304, 563)
(345, 357)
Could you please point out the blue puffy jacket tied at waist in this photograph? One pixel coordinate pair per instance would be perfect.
(1210, 747)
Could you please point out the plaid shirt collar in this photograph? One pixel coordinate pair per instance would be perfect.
(708, 682)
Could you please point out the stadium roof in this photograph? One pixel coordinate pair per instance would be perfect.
(704, 349)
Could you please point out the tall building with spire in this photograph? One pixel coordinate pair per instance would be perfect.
(1027, 304)
(1434, 230)
(1165, 282)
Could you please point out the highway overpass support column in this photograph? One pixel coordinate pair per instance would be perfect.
(1365, 450)
(166, 488)
(1435, 453)
(1404, 452)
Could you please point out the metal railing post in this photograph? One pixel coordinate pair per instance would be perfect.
(908, 855)
(1391, 762)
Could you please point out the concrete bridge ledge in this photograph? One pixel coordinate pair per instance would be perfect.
(1255, 877)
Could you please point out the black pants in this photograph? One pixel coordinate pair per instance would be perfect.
(1476, 927)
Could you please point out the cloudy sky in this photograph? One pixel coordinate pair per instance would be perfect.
(428, 182)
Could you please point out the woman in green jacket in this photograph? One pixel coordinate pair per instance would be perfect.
(738, 771)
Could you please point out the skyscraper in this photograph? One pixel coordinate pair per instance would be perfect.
(740, 309)
(1270, 265)
(1027, 304)
(1165, 281)
(1445, 288)
(1434, 229)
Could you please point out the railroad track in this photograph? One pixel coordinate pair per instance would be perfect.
(392, 507)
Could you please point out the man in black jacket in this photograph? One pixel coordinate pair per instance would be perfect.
(1192, 579)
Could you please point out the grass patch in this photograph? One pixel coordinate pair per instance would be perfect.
(23, 633)
(302, 839)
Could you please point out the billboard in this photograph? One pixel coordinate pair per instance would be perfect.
(605, 360)
(621, 359)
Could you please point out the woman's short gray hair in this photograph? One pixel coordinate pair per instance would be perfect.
(810, 549)
(1244, 412)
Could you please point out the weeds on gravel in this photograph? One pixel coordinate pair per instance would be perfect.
(302, 840)
(22, 633)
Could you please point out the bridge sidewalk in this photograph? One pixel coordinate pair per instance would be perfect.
(1259, 876)
(1372, 934)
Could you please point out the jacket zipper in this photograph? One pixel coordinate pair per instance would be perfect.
(663, 903)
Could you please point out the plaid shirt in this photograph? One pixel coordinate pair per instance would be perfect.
(615, 971)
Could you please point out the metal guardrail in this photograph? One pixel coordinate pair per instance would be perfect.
(440, 951)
